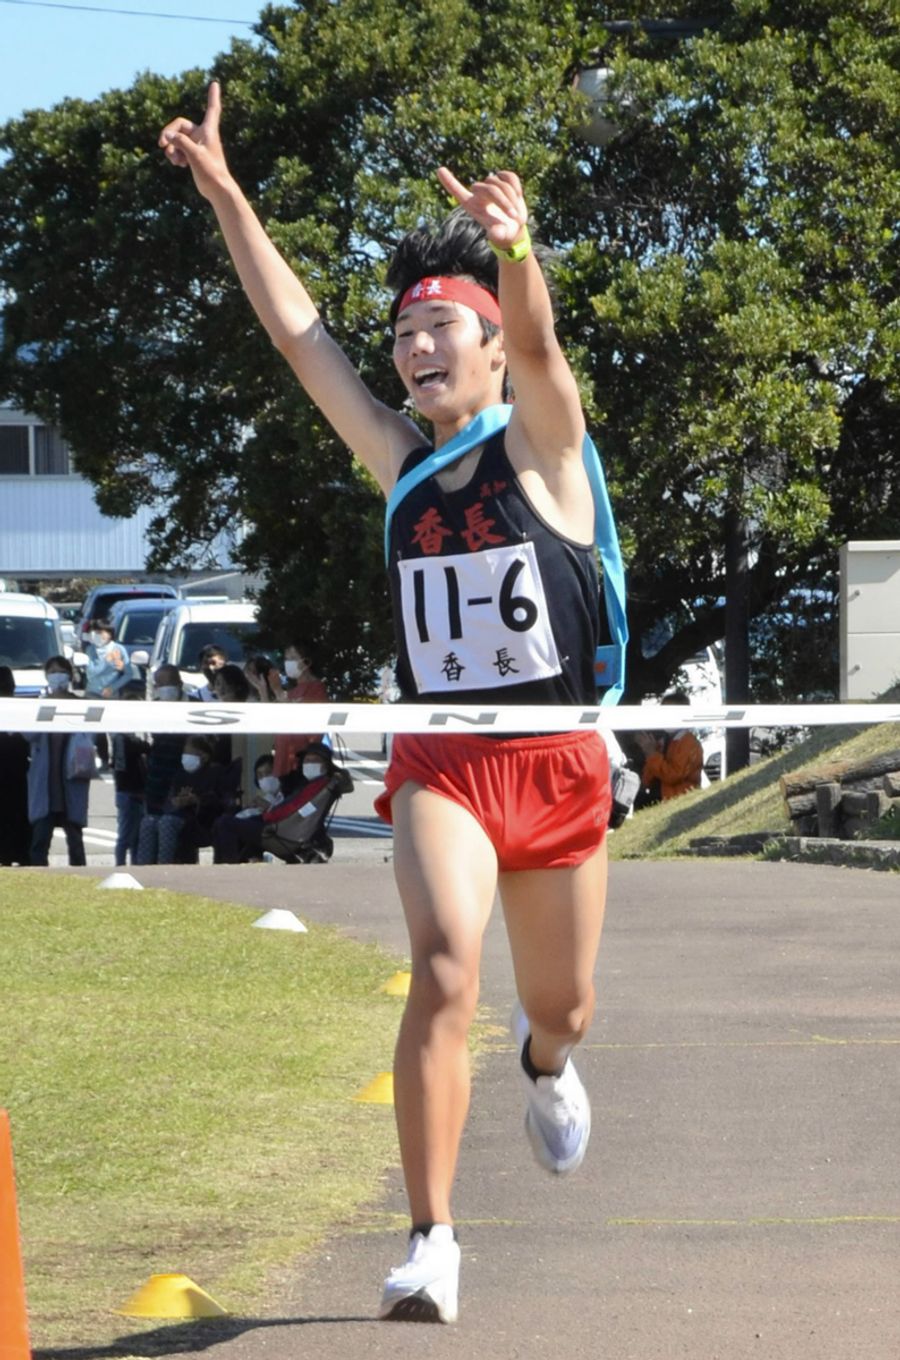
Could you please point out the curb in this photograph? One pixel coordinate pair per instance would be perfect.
(883, 855)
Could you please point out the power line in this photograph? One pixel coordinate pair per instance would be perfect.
(135, 13)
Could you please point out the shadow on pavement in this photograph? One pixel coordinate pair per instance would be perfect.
(180, 1338)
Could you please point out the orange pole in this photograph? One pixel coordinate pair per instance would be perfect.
(13, 1314)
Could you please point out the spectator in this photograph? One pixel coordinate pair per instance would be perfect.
(198, 796)
(322, 782)
(210, 660)
(62, 765)
(238, 835)
(107, 674)
(232, 686)
(304, 688)
(129, 765)
(164, 756)
(674, 759)
(264, 679)
(108, 668)
(15, 833)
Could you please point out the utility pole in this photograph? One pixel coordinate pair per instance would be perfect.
(737, 647)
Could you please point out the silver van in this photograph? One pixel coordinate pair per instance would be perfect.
(193, 625)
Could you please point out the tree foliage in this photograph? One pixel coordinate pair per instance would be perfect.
(727, 273)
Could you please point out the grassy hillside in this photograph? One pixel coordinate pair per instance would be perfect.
(748, 801)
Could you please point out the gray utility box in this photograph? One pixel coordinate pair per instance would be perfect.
(870, 619)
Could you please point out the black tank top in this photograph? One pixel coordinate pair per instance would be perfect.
(490, 604)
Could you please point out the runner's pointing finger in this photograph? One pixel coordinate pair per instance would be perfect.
(213, 107)
(453, 186)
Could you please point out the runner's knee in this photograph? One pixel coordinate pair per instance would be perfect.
(446, 987)
(565, 1016)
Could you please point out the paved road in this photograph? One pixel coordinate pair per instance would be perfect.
(741, 1197)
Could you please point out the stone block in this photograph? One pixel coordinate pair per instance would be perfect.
(828, 800)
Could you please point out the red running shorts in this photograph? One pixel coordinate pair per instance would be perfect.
(544, 802)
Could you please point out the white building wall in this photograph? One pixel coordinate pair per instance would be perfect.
(50, 526)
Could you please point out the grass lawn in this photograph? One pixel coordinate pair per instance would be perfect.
(748, 801)
(180, 1088)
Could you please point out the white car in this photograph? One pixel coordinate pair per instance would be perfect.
(30, 633)
(193, 625)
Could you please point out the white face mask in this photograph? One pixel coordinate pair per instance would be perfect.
(312, 769)
(294, 669)
(168, 693)
(98, 639)
(190, 763)
(270, 783)
(57, 681)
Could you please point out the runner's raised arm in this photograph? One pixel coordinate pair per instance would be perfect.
(548, 407)
(379, 436)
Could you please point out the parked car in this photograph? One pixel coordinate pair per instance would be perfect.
(137, 622)
(30, 633)
(98, 602)
(68, 621)
(193, 625)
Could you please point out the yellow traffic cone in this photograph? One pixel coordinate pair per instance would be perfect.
(380, 1090)
(398, 984)
(171, 1296)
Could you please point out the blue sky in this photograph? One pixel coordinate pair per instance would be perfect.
(48, 54)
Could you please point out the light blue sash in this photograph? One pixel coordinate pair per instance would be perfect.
(609, 663)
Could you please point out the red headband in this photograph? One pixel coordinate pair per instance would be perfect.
(444, 288)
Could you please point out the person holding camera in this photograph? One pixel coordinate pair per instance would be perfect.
(264, 679)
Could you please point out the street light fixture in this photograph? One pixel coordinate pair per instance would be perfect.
(593, 82)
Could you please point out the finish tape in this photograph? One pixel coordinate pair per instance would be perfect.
(101, 715)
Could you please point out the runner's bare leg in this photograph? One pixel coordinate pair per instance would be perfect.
(554, 918)
(446, 872)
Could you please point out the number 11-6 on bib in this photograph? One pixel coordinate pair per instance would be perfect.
(477, 620)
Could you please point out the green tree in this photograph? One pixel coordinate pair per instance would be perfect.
(726, 268)
(739, 242)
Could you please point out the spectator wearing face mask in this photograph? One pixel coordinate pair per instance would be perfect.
(322, 782)
(317, 765)
(108, 668)
(304, 687)
(108, 672)
(237, 836)
(57, 787)
(197, 798)
(15, 832)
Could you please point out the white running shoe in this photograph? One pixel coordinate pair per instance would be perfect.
(558, 1118)
(426, 1289)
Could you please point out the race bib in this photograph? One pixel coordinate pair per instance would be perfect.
(477, 620)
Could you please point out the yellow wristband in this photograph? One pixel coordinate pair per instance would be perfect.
(517, 252)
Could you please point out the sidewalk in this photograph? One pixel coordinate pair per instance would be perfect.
(741, 1197)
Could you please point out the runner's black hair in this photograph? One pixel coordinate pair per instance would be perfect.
(458, 247)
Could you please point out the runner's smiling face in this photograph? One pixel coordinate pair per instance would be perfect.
(444, 363)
